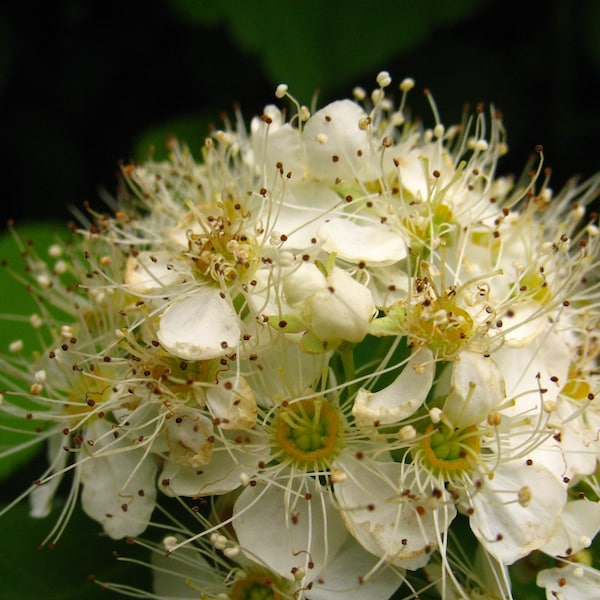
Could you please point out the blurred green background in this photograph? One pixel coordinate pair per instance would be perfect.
(84, 84)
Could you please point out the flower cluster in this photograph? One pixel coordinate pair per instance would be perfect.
(350, 337)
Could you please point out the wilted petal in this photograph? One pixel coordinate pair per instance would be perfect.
(189, 437)
(232, 402)
(231, 460)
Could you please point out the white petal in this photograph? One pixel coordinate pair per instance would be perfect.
(282, 370)
(371, 243)
(40, 499)
(303, 209)
(579, 524)
(304, 281)
(524, 323)
(200, 326)
(286, 532)
(570, 582)
(508, 528)
(402, 528)
(411, 172)
(529, 368)
(571, 451)
(118, 484)
(343, 578)
(389, 285)
(343, 310)
(477, 388)
(401, 398)
(187, 225)
(276, 142)
(335, 146)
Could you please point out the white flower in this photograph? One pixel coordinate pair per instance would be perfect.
(391, 518)
(340, 330)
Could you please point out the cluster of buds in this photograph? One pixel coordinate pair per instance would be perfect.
(348, 336)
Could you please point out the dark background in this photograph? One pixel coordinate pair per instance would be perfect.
(82, 82)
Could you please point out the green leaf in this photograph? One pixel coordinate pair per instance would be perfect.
(319, 44)
(61, 573)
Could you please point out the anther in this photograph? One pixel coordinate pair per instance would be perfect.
(281, 90)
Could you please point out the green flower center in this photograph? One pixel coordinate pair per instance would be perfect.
(447, 451)
(308, 432)
(254, 587)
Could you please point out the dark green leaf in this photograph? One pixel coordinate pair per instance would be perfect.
(319, 44)
(61, 573)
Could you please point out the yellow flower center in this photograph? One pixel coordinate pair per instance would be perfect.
(308, 432)
(440, 325)
(224, 251)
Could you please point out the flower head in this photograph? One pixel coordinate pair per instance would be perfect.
(349, 336)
